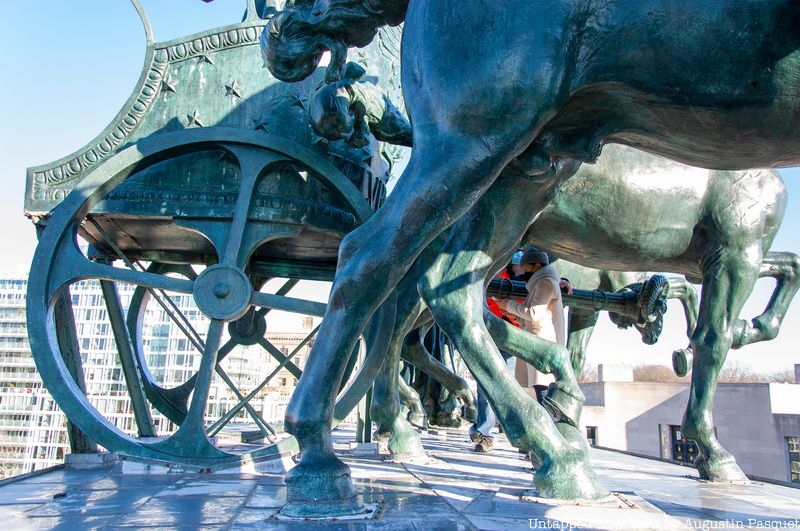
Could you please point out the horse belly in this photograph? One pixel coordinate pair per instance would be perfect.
(712, 84)
(630, 211)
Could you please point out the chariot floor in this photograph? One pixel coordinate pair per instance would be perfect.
(454, 489)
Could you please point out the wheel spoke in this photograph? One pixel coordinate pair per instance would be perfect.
(75, 267)
(173, 402)
(204, 376)
(141, 412)
(286, 288)
(287, 304)
(164, 300)
(251, 164)
(190, 439)
(282, 360)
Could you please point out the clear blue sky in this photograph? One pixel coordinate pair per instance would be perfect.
(68, 67)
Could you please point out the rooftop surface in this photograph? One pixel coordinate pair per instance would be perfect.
(453, 489)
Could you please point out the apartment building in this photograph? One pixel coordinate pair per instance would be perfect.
(33, 429)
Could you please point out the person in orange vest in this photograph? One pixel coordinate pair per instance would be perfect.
(542, 312)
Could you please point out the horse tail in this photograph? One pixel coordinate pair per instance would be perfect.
(776, 198)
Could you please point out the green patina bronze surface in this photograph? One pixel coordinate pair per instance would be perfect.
(212, 163)
(541, 85)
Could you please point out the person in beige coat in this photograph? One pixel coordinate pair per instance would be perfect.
(542, 313)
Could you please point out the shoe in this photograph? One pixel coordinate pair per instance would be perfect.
(474, 434)
(485, 445)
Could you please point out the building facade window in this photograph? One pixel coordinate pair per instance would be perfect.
(793, 445)
(591, 435)
(33, 430)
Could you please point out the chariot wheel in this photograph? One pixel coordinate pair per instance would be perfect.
(224, 288)
(249, 330)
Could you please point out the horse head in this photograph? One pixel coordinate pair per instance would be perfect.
(292, 47)
(295, 39)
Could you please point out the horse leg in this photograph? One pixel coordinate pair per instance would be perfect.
(463, 138)
(454, 290)
(685, 292)
(564, 399)
(565, 470)
(415, 353)
(441, 181)
(580, 327)
(428, 386)
(410, 398)
(727, 283)
(784, 267)
(386, 407)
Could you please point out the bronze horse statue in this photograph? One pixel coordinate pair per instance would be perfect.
(580, 327)
(562, 227)
(752, 214)
(541, 84)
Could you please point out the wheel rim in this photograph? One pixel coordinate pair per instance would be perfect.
(58, 263)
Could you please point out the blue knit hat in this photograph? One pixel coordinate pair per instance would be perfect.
(532, 255)
(516, 258)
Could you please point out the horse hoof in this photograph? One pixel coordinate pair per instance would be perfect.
(723, 469)
(320, 487)
(448, 420)
(682, 361)
(408, 451)
(419, 420)
(569, 481)
(405, 440)
(381, 434)
(562, 405)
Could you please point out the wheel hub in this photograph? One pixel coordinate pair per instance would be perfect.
(222, 292)
(248, 330)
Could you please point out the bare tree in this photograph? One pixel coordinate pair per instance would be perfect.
(738, 373)
(732, 373)
(786, 376)
(656, 373)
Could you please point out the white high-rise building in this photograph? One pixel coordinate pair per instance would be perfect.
(32, 428)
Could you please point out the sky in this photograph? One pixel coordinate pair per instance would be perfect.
(68, 67)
